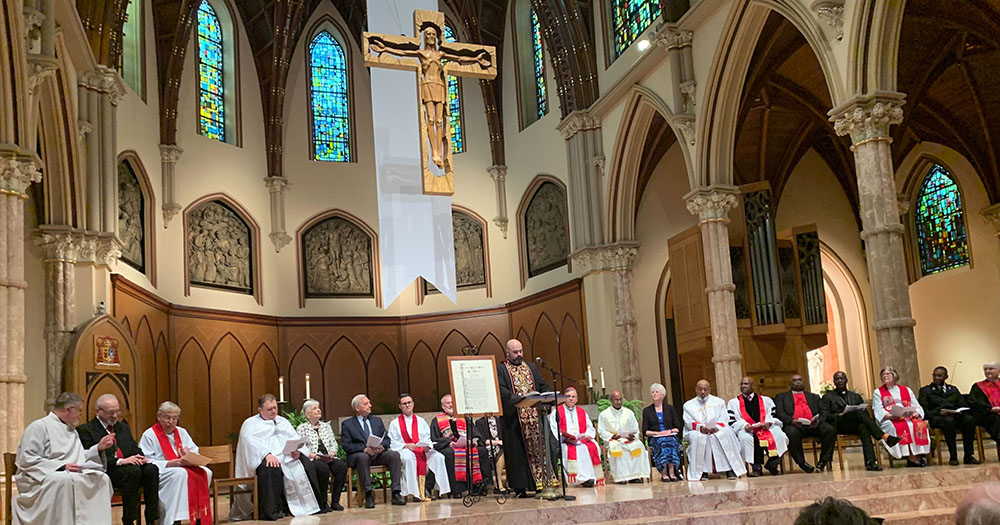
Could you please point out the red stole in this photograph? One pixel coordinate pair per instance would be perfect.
(802, 409)
(571, 461)
(444, 424)
(992, 391)
(920, 428)
(413, 436)
(197, 485)
(764, 436)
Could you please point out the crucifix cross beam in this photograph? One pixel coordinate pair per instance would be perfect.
(432, 58)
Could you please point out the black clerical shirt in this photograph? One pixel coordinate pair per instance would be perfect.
(934, 398)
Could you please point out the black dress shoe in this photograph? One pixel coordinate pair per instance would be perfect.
(369, 500)
(730, 474)
(807, 468)
(971, 460)
(893, 440)
(755, 473)
(635, 481)
(323, 510)
(953, 461)
(587, 484)
(704, 476)
(773, 466)
(521, 494)
(871, 466)
(398, 499)
(337, 507)
(911, 464)
(823, 465)
(456, 495)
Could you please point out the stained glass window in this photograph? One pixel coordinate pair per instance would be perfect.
(132, 47)
(536, 50)
(631, 18)
(454, 103)
(212, 122)
(940, 221)
(331, 125)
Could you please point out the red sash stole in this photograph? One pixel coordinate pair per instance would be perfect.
(920, 427)
(444, 424)
(413, 436)
(802, 409)
(571, 458)
(992, 391)
(197, 485)
(764, 436)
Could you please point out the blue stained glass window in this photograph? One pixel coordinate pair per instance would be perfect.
(454, 103)
(212, 112)
(536, 46)
(940, 221)
(328, 94)
(631, 18)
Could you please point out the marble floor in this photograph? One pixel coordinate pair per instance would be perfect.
(924, 496)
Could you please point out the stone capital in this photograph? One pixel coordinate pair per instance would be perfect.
(501, 223)
(16, 174)
(687, 125)
(609, 257)
(279, 240)
(39, 67)
(170, 209)
(674, 38)
(276, 184)
(991, 214)
(868, 117)
(497, 172)
(103, 80)
(831, 12)
(170, 153)
(577, 121)
(59, 244)
(712, 203)
(903, 204)
(33, 19)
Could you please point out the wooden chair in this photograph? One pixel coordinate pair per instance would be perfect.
(937, 440)
(813, 443)
(981, 438)
(350, 485)
(9, 469)
(224, 454)
(852, 440)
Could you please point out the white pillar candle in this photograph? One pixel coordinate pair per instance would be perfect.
(602, 378)
(590, 377)
(281, 389)
(307, 387)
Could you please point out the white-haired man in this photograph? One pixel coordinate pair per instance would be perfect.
(410, 437)
(58, 482)
(984, 398)
(354, 434)
(183, 486)
(448, 434)
(285, 482)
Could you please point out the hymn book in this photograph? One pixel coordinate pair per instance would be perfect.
(293, 444)
(854, 408)
(196, 459)
(901, 411)
(374, 441)
(805, 421)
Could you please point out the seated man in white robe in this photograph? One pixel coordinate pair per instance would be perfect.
(411, 437)
(285, 482)
(752, 418)
(181, 483)
(581, 456)
(618, 427)
(58, 482)
(713, 446)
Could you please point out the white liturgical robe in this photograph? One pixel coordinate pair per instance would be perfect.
(435, 459)
(627, 460)
(46, 494)
(584, 464)
(881, 415)
(707, 452)
(173, 480)
(260, 437)
(748, 440)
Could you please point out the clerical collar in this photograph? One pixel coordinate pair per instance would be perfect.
(749, 396)
(841, 392)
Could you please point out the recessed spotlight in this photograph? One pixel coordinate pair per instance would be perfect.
(643, 44)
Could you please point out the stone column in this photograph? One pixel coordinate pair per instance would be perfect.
(498, 173)
(584, 148)
(99, 94)
(62, 248)
(15, 177)
(621, 258)
(712, 204)
(169, 154)
(276, 186)
(867, 119)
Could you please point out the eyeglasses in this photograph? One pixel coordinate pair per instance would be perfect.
(111, 412)
(407, 403)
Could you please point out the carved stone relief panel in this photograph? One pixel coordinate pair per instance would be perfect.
(337, 259)
(545, 230)
(220, 249)
(131, 217)
(470, 258)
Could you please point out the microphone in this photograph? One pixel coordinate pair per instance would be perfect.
(541, 361)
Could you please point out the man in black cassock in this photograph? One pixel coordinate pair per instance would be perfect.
(524, 431)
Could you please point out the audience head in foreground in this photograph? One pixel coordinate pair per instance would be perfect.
(980, 506)
(833, 511)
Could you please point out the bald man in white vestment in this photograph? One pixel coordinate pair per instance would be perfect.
(712, 443)
(58, 482)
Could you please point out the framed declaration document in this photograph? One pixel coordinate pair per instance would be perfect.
(474, 386)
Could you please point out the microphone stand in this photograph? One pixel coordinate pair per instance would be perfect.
(558, 459)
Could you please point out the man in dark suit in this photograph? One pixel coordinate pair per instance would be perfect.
(858, 422)
(940, 401)
(354, 434)
(126, 466)
(793, 408)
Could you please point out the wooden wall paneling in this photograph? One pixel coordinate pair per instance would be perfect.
(264, 374)
(193, 397)
(383, 377)
(452, 345)
(571, 358)
(228, 389)
(422, 376)
(304, 361)
(344, 377)
(146, 376)
(162, 370)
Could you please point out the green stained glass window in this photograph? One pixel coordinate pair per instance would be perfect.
(631, 18)
(537, 52)
(328, 94)
(940, 223)
(212, 110)
(454, 103)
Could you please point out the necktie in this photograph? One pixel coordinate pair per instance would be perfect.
(118, 451)
(368, 427)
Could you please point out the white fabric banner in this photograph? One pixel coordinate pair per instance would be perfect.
(415, 231)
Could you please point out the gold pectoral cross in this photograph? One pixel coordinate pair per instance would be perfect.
(432, 58)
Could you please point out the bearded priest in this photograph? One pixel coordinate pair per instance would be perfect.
(580, 454)
(183, 486)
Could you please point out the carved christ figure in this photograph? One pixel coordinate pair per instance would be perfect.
(433, 87)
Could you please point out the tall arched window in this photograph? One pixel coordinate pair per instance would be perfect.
(940, 223)
(329, 98)
(132, 48)
(211, 96)
(538, 55)
(454, 102)
(630, 18)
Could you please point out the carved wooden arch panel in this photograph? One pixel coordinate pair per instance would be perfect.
(212, 226)
(263, 372)
(304, 361)
(337, 256)
(543, 227)
(422, 377)
(229, 392)
(102, 359)
(344, 377)
(382, 376)
(193, 393)
(136, 215)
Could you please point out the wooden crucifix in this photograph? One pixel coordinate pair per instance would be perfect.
(432, 60)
